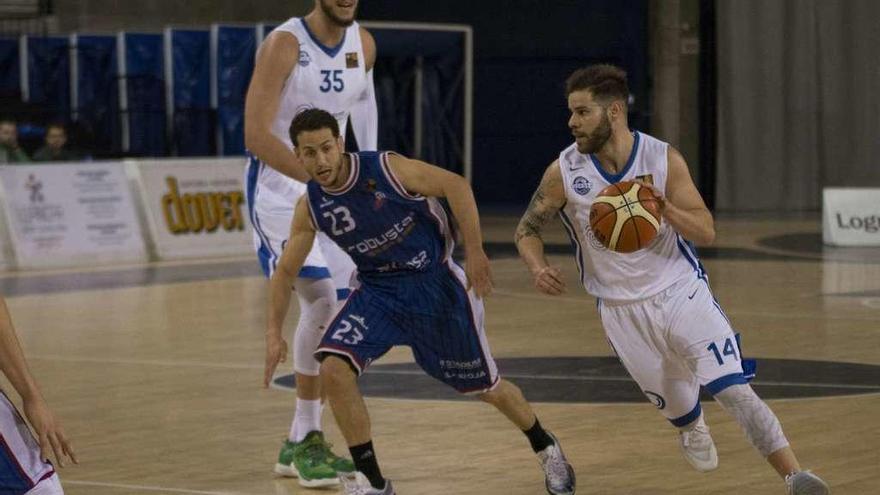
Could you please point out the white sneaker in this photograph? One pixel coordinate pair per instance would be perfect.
(698, 447)
(805, 483)
(558, 473)
(357, 484)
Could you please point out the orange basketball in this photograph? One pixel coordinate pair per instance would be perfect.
(625, 217)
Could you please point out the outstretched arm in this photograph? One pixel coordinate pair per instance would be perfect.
(276, 60)
(12, 362)
(418, 177)
(545, 204)
(302, 235)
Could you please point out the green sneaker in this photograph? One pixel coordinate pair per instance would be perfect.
(340, 464)
(307, 460)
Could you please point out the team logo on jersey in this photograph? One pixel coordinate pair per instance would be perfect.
(656, 399)
(582, 185)
(647, 178)
(594, 242)
(351, 60)
(304, 58)
(379, 201)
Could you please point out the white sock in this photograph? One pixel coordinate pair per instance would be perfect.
(306, 419)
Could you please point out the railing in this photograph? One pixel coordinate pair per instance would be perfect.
(18, 17)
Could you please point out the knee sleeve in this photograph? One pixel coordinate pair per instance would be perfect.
(317, 304)
(761, 426)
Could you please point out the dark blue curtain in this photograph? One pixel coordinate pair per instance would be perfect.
(49, 76)
(145, 85)
(97, 102)
(236, 47)
(10, 75)
(442, 55)
(194, 129)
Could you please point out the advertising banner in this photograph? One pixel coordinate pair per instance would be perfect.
(196, 207)
(71, 214)
(851, 216)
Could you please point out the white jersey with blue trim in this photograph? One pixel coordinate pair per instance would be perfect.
(617, 276)
(329, 78)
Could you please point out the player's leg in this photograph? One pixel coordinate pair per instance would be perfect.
(357, 336)
(450, 344)
(704, 337)
(635, 332)
(271, 211)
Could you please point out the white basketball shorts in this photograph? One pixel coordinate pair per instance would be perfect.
(673, 343)
(272, 199)
(22, 471)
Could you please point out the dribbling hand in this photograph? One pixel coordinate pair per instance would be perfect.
(661, 200)
(549, 281)
(276, 352)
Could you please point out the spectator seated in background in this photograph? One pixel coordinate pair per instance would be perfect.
(10, 151)
(55, 149)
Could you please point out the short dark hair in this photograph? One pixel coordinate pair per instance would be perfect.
(606, 82)
(313, 119)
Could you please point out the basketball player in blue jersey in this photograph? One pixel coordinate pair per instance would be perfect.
(655, 304)
(321, 60)
(24, 461)
(383, 210)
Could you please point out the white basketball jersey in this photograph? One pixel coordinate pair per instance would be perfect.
(329, 78)
(605, 273)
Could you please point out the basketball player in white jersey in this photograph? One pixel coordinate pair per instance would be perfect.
(24, 460)
(321, 60)
(655, 304)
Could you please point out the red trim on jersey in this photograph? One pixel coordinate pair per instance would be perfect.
(395, 182)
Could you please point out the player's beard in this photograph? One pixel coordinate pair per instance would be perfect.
(597, 139)
(327, 9)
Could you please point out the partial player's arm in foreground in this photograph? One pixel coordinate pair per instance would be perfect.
(276, 60)
(427, 180)
(682, 206)
(548, 199)
(14, 366)
(302, 235)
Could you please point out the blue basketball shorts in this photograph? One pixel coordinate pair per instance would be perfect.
(430, 312)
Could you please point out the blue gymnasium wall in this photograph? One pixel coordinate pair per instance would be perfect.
(522, 55)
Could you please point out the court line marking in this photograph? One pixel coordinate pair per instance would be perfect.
(374, 371)
(589, 301)
(147, 488)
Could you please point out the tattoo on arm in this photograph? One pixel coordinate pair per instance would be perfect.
(536, 216)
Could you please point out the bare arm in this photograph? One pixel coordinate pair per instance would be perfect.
(418, 177)
(683, 207)
(302, 235)
(276, 60)
(364, 113)
(13, 364)
(545, 204)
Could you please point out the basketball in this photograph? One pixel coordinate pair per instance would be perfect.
(625, 217)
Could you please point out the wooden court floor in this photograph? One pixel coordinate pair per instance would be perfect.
(158, 382)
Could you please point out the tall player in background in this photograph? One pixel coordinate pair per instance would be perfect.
(321, 60)
(24, 466)
(655, 304)
(383, 209)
